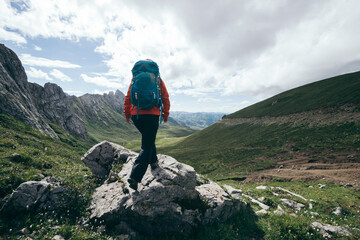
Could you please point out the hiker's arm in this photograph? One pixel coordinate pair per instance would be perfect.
(165, 101)
(127, 106)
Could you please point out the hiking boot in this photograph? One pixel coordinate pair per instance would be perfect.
(154, 165)
(133, 184)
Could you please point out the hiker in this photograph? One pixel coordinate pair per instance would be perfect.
(146, 112)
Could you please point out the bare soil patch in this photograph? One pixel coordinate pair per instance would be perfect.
(336, 167)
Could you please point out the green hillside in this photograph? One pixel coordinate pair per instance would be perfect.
(233, 148)
(330, 92)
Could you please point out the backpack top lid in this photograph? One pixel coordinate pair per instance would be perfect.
(145, 66)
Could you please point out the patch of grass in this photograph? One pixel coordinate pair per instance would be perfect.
(222, 151)
(323, 201)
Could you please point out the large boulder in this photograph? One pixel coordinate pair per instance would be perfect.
(171, 199)
(34, 196)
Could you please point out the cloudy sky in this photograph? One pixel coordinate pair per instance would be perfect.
(215, 56)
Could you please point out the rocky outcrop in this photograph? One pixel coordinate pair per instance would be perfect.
(34, 196)
(100, 108)
(172, 199)
(38, 106)
(15, 98)
(32, 103)
(326, 229)
(56, 107)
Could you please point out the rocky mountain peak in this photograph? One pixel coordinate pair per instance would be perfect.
(37, 105)
(12, 65)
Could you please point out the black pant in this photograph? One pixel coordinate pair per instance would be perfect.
(147, 125)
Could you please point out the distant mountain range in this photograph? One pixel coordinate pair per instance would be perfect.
(197, 121)
(91, 117)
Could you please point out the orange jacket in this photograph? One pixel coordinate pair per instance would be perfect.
(130, 110)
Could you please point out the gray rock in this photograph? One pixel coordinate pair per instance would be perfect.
(24, 231)
(292, 204)
(44, 195)
(261, 199)
(58, 237)
(261, 212)
(279, 211)
(169, 199)
(262, 205)
(326, 229)
(235, 193)
(337, 211)
(101, 157)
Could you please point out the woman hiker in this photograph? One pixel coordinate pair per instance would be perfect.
(146, 112)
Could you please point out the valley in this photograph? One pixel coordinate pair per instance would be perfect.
(305, 140)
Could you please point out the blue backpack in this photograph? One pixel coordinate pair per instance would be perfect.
(145, 86)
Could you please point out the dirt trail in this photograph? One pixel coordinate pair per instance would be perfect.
(341, 168)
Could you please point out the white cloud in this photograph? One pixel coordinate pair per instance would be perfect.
(72, 92)
(11, 36)
(29, 60)
(103, 81)
(255, 48)
(37, 48)
(60, 75)
(208, 100)
(96, 91)
(37, 73)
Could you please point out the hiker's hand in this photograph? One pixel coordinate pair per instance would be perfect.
(165, 119)
(128, 120)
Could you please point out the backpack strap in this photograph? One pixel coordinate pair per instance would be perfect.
(160, 99)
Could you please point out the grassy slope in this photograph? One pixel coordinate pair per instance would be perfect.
(234, 151)
(325, 93)
(27, 154)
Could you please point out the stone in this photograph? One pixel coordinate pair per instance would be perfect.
(38, 196)
(293, 204)
(24, 231)
(261, 187)
(326, 229)
(261, 212)
(58, 237)
(279, 211)
(169, 200)
(236, 193)
(262, 205)
(261, 199)
(291, 193)
(99, 159)
(337, 211)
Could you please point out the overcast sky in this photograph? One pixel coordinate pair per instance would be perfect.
(214, 55)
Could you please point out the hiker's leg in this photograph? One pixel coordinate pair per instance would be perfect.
(148, 126)
(154, 158)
